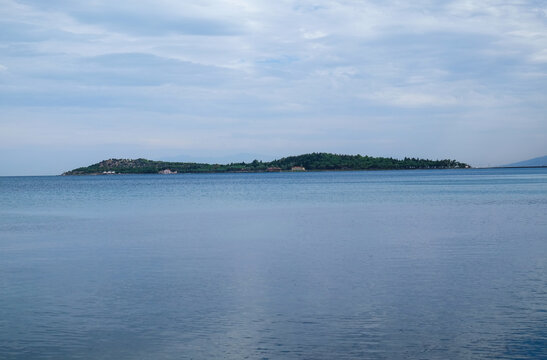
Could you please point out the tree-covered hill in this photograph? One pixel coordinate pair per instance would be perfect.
(326, 161)
(311, 162)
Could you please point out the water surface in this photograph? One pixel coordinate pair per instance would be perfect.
(346, 265)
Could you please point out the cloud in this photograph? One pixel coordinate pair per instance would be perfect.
(144, 24)
(410, 98)
(540, 56)
(313, 34)
(334, 68)
(153, 18)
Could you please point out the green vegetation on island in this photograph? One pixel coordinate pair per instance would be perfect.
(309, 162)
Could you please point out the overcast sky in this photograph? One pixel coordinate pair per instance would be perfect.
(227, 80)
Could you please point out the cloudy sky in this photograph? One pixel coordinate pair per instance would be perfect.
(227, 80)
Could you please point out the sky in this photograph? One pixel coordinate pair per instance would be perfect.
(233, 80)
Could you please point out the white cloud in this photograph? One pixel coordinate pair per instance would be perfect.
(270, 63)
(409, 98)
(540, 57)
(312, 35)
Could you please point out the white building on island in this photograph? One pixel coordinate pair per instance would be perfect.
(166, 172)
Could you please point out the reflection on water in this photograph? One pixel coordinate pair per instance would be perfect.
(380, 265)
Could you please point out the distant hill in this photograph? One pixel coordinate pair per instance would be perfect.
(539, 161)
(313, 162)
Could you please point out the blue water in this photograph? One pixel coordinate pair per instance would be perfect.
(330, 265)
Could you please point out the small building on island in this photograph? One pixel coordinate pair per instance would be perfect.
(273, 169)
(166, 172)
(298, 168)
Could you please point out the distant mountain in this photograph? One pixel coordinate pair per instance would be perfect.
(314, 162)
(539, 161)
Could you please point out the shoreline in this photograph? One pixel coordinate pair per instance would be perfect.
(265, 172)
(306, 171)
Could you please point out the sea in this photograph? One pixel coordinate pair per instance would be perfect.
(412, 264)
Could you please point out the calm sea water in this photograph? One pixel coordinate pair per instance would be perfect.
(331, 265)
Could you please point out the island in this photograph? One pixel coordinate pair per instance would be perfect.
(300, 163)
